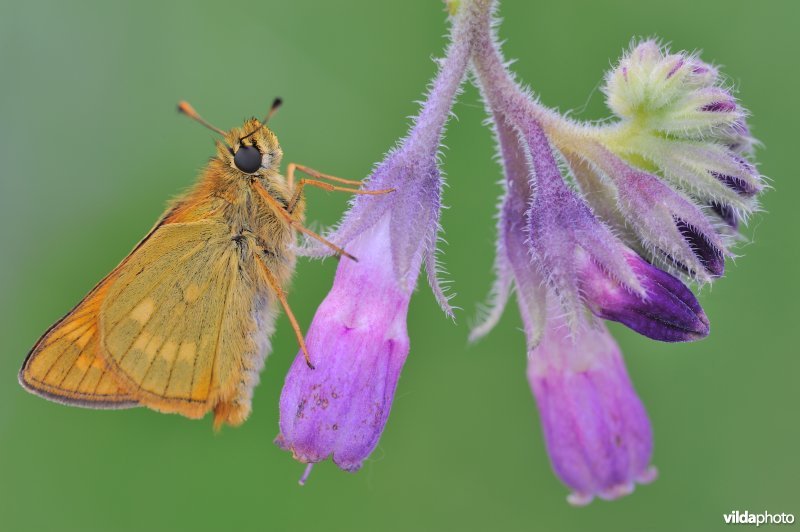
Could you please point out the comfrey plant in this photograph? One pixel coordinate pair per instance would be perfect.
(597, 222)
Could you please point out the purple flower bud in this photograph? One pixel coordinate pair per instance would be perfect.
(669, 312)
(720, 106)
(737, 183)
(710, 256)
(595, 427)
(709, 171)
(564, 232)
(726, 213)
(678, 62)
(668, 223)
(703, 73)
(737, 138)
(359, 342)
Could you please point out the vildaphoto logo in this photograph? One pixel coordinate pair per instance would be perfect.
(764, 518)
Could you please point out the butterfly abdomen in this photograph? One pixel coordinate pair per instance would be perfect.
(256, 234)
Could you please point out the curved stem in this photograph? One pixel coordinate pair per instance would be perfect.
(502, 91)
(426, 132)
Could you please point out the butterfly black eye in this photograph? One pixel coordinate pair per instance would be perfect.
(247, 159)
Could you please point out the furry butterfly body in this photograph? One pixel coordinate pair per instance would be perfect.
(182, 325)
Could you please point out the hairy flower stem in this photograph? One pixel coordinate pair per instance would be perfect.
(501, 91)
(429, 124)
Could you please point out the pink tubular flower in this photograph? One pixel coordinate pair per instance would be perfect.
(358, 340)
(595, 427)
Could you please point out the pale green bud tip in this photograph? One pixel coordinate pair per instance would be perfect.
(675, 93)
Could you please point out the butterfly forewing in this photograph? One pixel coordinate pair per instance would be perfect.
(65, 365)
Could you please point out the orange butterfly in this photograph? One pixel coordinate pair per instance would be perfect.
(182, 325)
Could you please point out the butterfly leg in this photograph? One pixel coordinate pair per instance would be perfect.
(275, 286)
(287, 217)
(298, 190)
(292, 167)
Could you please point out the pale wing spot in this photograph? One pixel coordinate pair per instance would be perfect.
(187, 352)
(75, 375)
(169, 351)
(142, 312)
(141, 342)
(191, 293)
(160, 354)
(98, 363)
(161, 370)
(82, 362)
(182, 370)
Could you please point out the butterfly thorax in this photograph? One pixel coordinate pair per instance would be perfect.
(227, 194)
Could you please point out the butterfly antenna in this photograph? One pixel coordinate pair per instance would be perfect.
(188, 110)
(276, 103)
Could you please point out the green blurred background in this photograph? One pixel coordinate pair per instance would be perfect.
(92, 148)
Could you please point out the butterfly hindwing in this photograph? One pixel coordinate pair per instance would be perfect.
(178, 322)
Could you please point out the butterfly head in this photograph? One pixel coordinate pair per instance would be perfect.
(250, 149)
